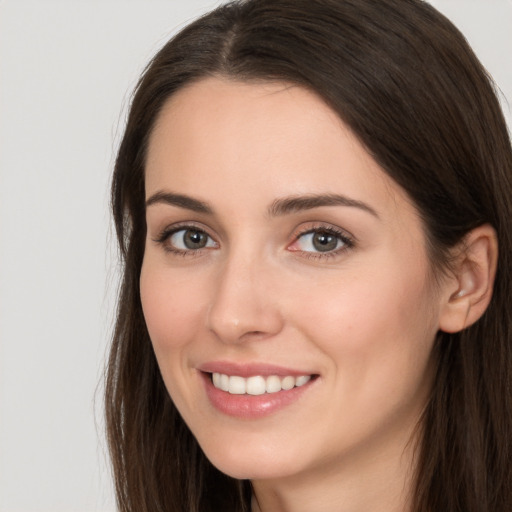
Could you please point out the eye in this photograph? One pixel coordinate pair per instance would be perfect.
(190, 239)
(186, 239)
(321, 240)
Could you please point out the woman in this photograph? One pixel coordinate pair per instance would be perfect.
(309, 199)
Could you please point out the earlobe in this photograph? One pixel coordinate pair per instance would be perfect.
(469, 291)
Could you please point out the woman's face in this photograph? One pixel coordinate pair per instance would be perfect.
(284, 264)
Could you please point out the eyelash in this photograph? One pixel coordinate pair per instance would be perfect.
(168, 232)
(347, 240)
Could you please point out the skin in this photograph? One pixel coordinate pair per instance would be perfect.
(362, 317)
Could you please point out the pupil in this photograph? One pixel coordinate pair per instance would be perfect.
(324, 242)
(194, 239)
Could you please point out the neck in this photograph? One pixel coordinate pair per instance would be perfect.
(379, 481)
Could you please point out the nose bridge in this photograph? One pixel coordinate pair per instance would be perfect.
(241, 305)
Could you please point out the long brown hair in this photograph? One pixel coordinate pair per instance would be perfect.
(406, 82)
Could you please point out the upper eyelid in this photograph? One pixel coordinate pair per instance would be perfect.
(178, 226)
(331, 228)
(299, 231)
(348, 240)
(163, 239)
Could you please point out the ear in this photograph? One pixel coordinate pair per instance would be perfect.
(469, 290)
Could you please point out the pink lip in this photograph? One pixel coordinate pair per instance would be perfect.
(251, 407)
(250, 369)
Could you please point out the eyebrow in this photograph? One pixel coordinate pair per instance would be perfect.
(279, 207)
(292, 204)
(180, 200)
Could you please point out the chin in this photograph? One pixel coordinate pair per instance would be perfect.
(242, 463)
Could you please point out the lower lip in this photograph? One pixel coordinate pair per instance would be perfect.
(252, 406)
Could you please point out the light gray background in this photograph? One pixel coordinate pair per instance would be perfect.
(66, 71)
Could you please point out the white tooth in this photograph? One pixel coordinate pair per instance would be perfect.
(273, 384)
(224, 382)
(300, 381)
(255, 385)
(236, 385)
(288, 383)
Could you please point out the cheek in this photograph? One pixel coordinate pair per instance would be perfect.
(172, 307)
(379, 345)
(375, 327)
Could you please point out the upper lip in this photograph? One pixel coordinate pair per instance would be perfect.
(250, 369)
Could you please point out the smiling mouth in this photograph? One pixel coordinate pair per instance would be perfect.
(257, 385)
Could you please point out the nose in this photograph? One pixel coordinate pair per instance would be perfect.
(245, 302)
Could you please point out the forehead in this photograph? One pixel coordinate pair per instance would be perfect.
(230, 115)
(261, 140)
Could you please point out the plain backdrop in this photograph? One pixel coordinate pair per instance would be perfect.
(66, 72)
